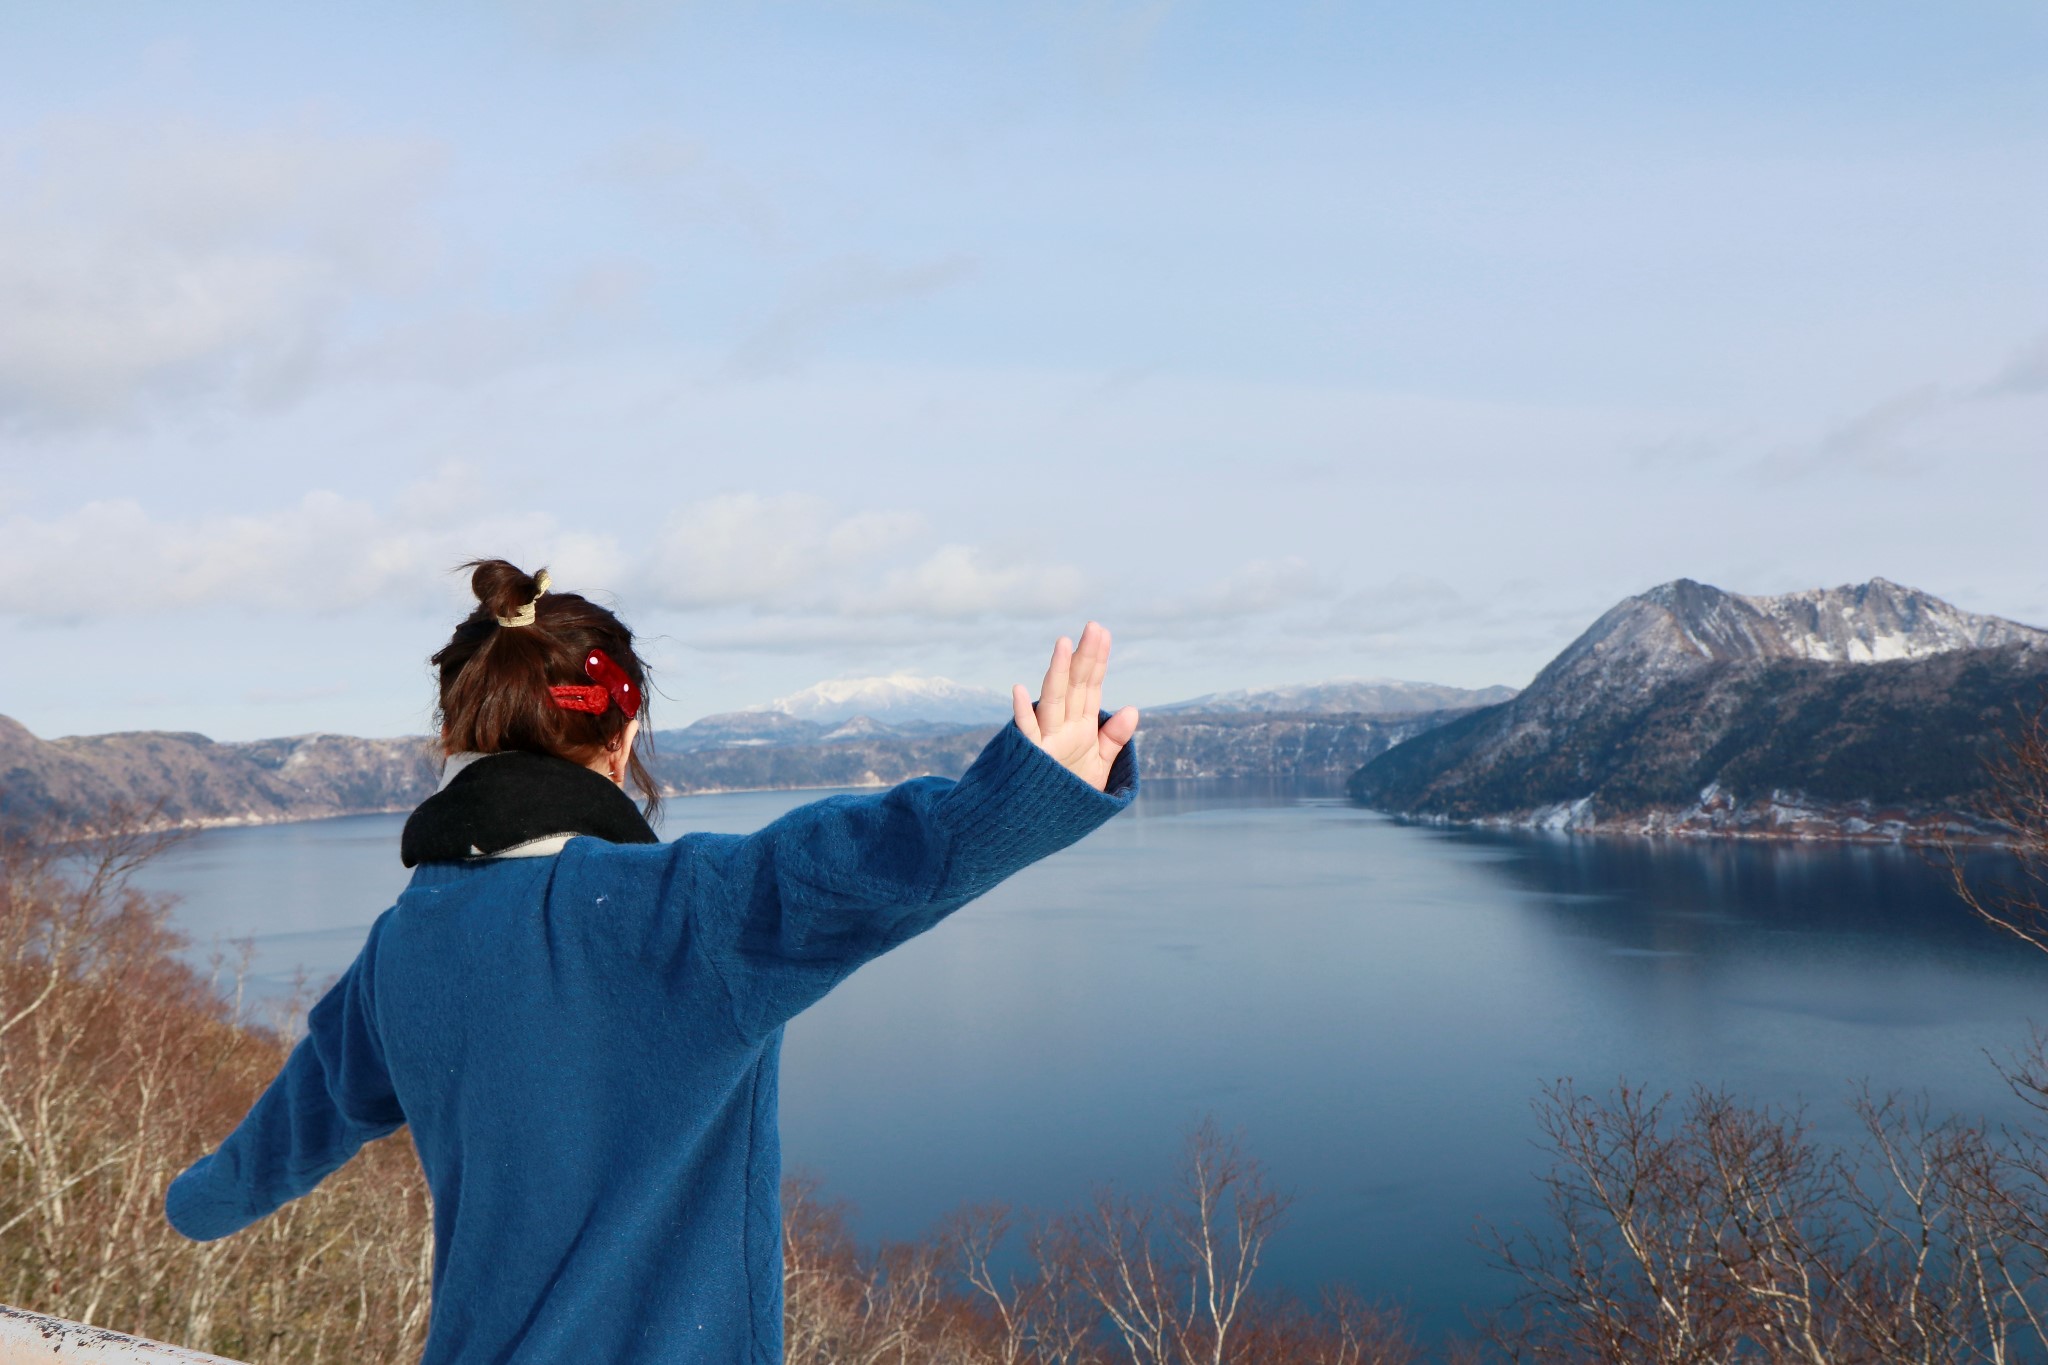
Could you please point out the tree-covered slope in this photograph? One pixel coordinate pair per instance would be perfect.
(1688, 707)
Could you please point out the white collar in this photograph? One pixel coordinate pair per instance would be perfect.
(454, 764)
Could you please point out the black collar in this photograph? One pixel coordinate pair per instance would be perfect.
(506, 799)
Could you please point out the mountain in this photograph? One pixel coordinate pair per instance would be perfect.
(773, 729)
(897, 698)
(1852, 710)
(846, 733)
(868, 731)
(1272, 745)
(739, 730)
(914, 706)
(862, 753)
(192, 780)
(1361, 696)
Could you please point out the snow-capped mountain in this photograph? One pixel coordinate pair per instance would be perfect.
(1687, 687)
(1858, 623)
(1879, 620)
(1369, 696)
(1681, 627)
(893, 700)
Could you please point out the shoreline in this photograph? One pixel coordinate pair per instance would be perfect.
(1772, 823)
(1920, 834)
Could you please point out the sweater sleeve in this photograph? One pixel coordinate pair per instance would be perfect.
(333, 1095)
(794, 908)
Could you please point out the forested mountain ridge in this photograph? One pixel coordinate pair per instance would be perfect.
(193, 780)
(1864, 711)
(1349, 696)
(196, 781)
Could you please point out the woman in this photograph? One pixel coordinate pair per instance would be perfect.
(581, 1024)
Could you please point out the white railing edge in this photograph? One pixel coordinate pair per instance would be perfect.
(34, 1338)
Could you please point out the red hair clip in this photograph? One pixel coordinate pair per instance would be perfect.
(612, 685)
(595, 700)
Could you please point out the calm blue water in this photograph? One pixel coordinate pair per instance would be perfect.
(1372, 1004)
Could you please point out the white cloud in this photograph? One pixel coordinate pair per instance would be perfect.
(743, 549)
(1256, 587)
(138, 261)
(324, 553)
(794, 559)
(839, 638)
(958, 581)
(797, 555)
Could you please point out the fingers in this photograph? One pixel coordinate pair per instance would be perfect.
(1052, 696)
(1091, 662)
(1072, 691)
(1117, 732)
(1027, 721)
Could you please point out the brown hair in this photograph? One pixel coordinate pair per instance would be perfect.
(495, 679)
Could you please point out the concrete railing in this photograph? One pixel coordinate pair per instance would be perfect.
(32, 1339)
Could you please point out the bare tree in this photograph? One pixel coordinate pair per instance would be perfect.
(2017, 802)
(1727, 1233)
(115, 1057)
(1174, 1282)
(1348, 1331)
(1035, 1315)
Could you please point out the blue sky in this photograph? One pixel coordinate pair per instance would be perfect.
(1292, 341)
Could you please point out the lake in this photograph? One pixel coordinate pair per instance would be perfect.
(1372, 1004)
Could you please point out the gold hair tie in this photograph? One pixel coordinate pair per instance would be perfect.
(524, 616)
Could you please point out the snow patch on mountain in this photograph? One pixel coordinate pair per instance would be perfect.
(1880, 620)
(1368, 696)
(1857, 623)
(1680, 627)
(892, 699)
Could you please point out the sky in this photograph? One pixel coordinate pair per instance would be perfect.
(1292, 340)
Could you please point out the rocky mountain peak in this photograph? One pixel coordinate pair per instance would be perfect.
(1682, 625)
(1879, 620)
(1678, 689)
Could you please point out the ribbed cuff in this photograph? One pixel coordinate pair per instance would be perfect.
(1017, 803)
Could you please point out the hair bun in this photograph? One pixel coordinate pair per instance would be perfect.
(502, 588)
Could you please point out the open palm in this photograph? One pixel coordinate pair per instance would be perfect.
(1065, 721)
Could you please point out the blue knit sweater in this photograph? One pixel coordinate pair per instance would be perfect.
(585, 1046)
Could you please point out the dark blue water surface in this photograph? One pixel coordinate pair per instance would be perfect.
(1374, 1005)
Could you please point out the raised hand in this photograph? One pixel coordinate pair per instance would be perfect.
(1064, 723)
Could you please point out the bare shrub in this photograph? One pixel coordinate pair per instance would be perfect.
(1139, 1280)
(1722, 1232)
(1174, 1282)
(2016, 802)
(117, 1062)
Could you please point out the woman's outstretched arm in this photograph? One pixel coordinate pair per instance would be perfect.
(333, 1096)
(786, 913)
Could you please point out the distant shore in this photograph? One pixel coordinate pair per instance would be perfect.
(1808, 827)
